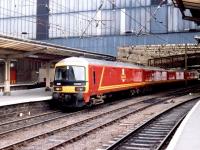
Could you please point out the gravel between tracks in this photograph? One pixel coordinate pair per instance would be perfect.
(36, 130)
(96, 139)
(104, 136)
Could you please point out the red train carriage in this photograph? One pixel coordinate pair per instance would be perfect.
(148, 75)
(191, 75)
(82, 81)
(171, 75)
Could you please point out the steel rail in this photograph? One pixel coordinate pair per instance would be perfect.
(52, 132)
(97, 116)
(145, 125)
(62, 116)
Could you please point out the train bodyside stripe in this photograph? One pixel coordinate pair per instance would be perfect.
(101, 79)
(137, 84)
(122, 86)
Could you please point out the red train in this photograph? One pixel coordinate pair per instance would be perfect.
(83, 81)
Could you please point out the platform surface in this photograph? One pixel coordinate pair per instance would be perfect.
(187, 136)
(22, 96)
(18, 84)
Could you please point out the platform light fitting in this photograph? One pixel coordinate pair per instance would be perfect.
(197, 38)
(33, 56)
(24, 33)
(12, 65)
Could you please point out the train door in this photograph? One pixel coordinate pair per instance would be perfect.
(93, 80)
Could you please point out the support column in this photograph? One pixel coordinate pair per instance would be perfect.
(48, 64)
(42, 27)
(7, 78)
(186, 59)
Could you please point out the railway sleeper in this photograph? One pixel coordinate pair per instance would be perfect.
(162, 126)
(139, 144)
(154, 132)
(135, 144)
(160, 123)
(144, 141)
(148, 138)
(151, 135)
(159, 130)
(129, 147)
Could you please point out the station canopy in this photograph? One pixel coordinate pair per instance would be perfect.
(15, 48)
(190, 9)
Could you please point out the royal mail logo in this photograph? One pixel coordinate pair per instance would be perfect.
(123, 76)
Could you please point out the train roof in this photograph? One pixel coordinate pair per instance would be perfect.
(153, 68)
(87, 61)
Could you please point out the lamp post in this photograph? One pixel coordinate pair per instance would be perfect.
(197, 38)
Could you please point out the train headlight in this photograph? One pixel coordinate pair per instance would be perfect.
(80, 89)
(57, 88)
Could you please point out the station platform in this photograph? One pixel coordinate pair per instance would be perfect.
(23, 96)
(187, 136)
(20, 86)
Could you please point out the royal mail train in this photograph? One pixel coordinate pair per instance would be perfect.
(82, 81)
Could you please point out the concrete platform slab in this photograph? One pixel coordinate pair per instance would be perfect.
(22, 96)
(187, 136)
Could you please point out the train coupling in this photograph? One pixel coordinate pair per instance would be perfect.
(96, 101)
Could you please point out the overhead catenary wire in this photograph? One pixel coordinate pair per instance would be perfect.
(41, 22)
(85, 18)
(127, 15)
(98, 9)
(113, 5)
(155, 35)
(89, 23)
(151, 16)
(56, 26)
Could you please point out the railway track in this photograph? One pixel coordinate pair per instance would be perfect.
(16, 125)
(21, 124)
(66, 134)
(153, 134)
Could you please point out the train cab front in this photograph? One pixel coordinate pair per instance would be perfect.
(70, 85)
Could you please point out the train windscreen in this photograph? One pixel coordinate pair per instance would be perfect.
(70, 73)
